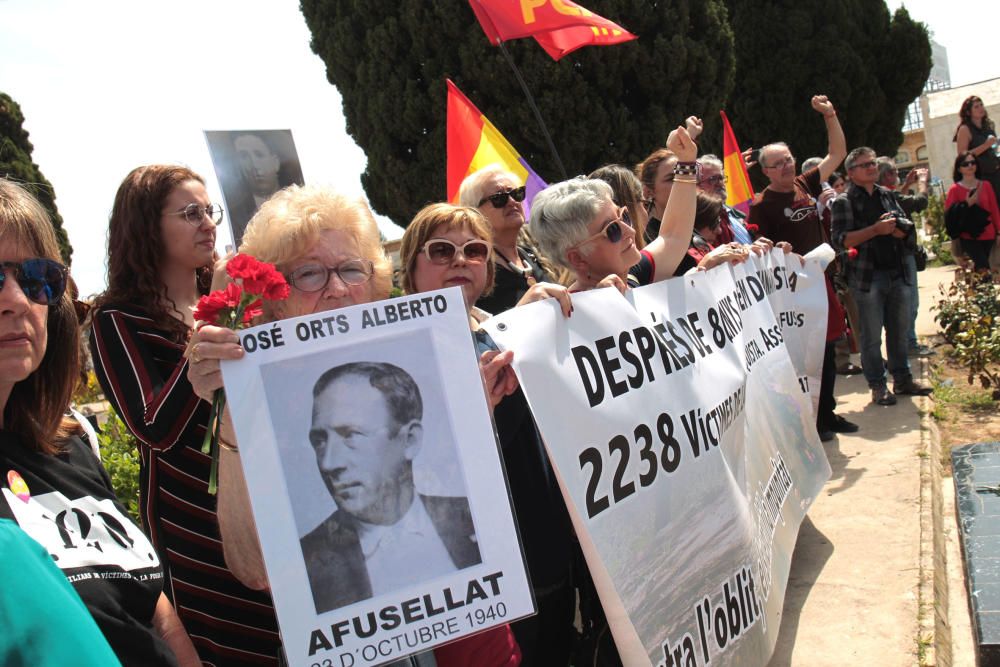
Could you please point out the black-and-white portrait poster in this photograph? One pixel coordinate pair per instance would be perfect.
(251, 165)
(376, 480)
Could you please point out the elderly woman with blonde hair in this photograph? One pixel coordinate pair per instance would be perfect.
(328, 248)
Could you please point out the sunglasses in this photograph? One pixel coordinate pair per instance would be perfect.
(42, 280)
(612, 229)
(443, 251)
(314, 277)
(499, 200)
(967, 163)
(864, 165)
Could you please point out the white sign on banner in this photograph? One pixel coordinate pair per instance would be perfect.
(797, 292)
(687, 453)
(376, 481)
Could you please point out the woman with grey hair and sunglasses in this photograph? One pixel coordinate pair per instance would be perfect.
(578, 225)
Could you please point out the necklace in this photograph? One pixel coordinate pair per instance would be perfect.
(525, 273)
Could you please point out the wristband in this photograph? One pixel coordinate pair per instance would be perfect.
(687, 169)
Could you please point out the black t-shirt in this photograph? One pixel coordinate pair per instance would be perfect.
(510, 284)
(542, 518)
(791, 216)
(643, 271)
(66, 504)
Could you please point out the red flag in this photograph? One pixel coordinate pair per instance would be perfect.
(559, 26)
(739, 191)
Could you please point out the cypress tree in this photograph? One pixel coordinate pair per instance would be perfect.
(871, 66)
(16, 165)
(389, 60)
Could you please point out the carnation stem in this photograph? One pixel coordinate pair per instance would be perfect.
(211, 443)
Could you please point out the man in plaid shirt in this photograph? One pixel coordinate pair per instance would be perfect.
(867, 217)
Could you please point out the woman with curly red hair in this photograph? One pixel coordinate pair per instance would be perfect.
(161, 251)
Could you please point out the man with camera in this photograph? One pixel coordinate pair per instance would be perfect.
(868, 217)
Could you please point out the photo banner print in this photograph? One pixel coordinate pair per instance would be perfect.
(338, 416)
(685, 446)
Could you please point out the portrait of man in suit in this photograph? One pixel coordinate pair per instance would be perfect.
(367, 427)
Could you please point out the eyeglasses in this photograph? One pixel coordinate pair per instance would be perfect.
(787, 160)
(193, 213)
(967, 163)
(42, 280)
(443, 251)
(717, 178)
(314, 277)
(863, 165)
(499, 200)
(612, 229)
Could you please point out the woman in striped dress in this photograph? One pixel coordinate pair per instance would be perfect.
(161, 249)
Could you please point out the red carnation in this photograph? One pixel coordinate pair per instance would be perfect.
(852, 253)
(252, 310)
(236, 307)
(752, 228)
(258, 277)
(276, 289)
(211, 305)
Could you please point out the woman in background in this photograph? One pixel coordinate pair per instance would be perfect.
(979, 198)
(976, 134)
(161, 249)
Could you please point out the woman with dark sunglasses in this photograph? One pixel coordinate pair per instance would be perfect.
(578, 225)
(978, 201)
(54, 487)
(161, 250)
(499, 195)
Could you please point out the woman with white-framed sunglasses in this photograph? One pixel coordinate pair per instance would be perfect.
(447, 246)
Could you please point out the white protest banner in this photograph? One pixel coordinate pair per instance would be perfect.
(797, 292)
(376, 481)
(686, 451)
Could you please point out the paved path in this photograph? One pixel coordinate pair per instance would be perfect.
(852, 592)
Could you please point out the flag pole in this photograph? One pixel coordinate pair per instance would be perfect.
(534, 108)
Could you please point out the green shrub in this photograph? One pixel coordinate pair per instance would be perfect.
(938, 241)
(88, 391)
(121, 460)
(969, 315)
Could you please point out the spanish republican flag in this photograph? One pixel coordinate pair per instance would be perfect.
(559, 26)
(473, 143)
(739, 192)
